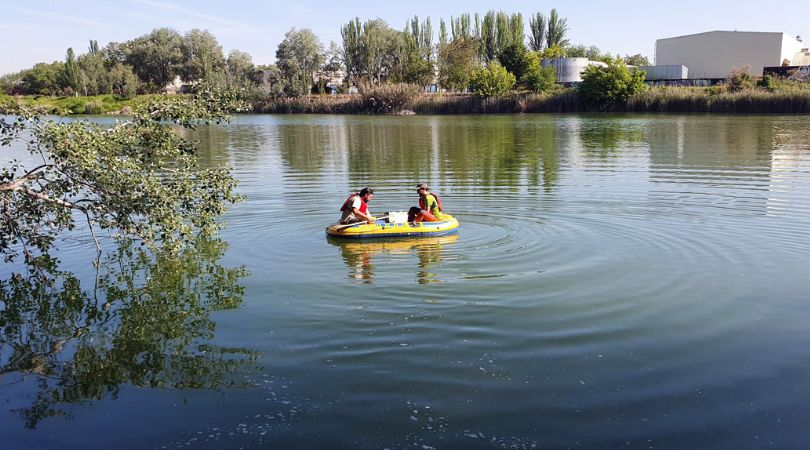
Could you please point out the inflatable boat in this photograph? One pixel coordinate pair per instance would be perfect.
(384, 229)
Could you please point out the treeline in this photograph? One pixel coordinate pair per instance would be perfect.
(140, 66)
(490, 52)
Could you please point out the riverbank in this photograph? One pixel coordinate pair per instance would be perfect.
(97, 104)
(655, 99)
(792, 99)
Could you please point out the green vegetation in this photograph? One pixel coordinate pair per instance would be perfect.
(137, 179)
(98, 104)
(492, 81)
(612, 85)
(470, 53)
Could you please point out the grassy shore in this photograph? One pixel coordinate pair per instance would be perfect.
(98, 104)
(787, 98)
(790, 100)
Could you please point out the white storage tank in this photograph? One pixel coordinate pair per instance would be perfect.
(569, 70)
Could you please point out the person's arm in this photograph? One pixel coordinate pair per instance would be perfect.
(357, 213)
(367, 217)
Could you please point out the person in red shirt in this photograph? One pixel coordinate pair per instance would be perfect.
(355, 208)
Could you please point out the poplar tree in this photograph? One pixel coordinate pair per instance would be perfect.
(556, 30)
(489, 43)
(537, 28)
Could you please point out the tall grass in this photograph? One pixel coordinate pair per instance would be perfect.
(709, 100)
(780, 97)
(99, 104)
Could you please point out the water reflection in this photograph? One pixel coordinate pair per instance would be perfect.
(359, 256)
(143, 323)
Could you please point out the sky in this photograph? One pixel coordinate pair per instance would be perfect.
(35, 31)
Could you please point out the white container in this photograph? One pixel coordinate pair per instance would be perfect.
(397, 217)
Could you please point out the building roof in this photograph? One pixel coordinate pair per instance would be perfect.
(722, 31)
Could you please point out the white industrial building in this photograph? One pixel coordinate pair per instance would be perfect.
(715, 54)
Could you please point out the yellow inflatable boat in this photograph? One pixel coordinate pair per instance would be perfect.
(384, 229)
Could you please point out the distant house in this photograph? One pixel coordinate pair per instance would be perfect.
(715, 54)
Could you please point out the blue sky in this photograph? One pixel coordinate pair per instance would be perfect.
(41, 31)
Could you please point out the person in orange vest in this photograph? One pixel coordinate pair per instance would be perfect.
(355, 208)
(430, 207)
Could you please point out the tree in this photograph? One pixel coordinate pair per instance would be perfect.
(94, 67)
(516, 28)
(537, 78)
(515, 58)
(556, 30)
(492, 81)
(352, 49)
(122, 80)
(240, 69)
(202, 56)
(137, 179)
(503, 32)
(459, 60)
(11, 83)
(330, 68)
(461, 27)
(155, 57)
(553, 52)
(537, 27)
(637, 60)
(43, 78)
(611, 85)
(489, 41)
(272, 82)
(72, 73)
(298, 57)
(380, 45)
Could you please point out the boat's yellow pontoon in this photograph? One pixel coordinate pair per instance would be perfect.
(383, 229)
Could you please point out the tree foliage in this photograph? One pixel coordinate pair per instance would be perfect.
(460, 60)
(493, 80)
(537, 32)
(516, 59)
(202, 57)
(156, 57)
(537, 78)
(637, 60)
(611, 85)
(136, 179)
(556, 30)
(299, 55)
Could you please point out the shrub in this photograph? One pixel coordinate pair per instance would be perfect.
(740, 79)
(492, 81)
(94, 107)
(389, 98)
(767, 82)
(611, 85)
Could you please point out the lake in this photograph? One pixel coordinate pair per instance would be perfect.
(618, 281)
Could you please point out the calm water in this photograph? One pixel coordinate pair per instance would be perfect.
(617, 282)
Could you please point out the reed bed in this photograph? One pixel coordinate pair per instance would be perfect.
(718, 100)
(783, 98)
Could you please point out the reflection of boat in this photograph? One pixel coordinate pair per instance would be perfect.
(383, 229)
(358, 255)
(393, 246)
